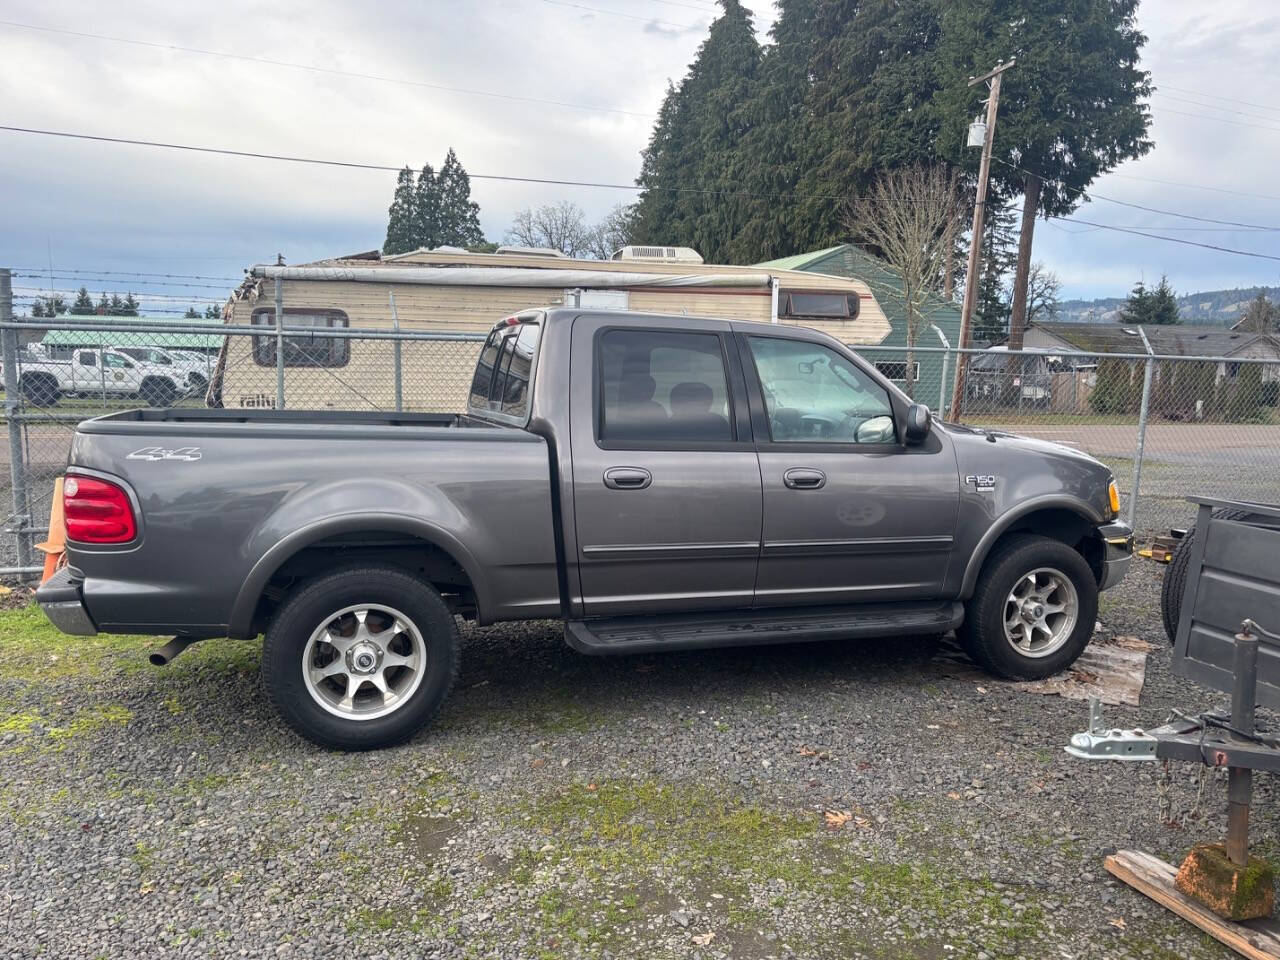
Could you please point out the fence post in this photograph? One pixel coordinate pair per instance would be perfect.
(1143, 412)
(12, 402)
(279, 344)
(395, 351)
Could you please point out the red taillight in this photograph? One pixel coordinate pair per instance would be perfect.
(97, 511)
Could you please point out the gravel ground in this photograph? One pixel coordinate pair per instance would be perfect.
(565, 806)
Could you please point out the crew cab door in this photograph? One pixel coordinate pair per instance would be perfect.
(850, 514)
(666, 484)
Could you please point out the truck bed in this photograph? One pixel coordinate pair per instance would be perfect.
(146, 420)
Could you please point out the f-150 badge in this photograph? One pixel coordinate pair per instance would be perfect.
(189, 454)
(981, 481)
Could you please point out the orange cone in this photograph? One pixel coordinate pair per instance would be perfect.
(55, 547)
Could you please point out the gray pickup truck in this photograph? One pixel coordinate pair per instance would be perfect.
(656, 482)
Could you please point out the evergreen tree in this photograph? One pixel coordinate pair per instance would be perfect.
(130, 306)
(401, 216)
(83, 304)
(213, 312)
(1137, 307)
(1071, 110)
(426, 210)
(191, 314)
(103, 306)
(690, 193)
(1163, 304)
(991, 310)
(37, 309)
(459, 214)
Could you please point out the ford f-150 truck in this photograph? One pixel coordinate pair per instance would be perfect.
(656, 482)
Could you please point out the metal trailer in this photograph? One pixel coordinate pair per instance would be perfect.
(1228, 639)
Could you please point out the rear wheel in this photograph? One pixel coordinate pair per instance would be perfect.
(39, 390)
(158, 392)
(1033, 611)
(361, 658)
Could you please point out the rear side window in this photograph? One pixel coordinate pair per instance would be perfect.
(504, 371)
(658, 385)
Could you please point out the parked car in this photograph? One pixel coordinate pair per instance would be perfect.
(192, 370)
(657, 482)
(90, 371)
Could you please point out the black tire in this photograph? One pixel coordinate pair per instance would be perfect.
(983, 635)
(1175, 577)
(39, 390)
(307, 609)
(158, 392)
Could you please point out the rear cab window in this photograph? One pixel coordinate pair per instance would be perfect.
(503, 379)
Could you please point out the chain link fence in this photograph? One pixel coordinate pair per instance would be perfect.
(1168, 426)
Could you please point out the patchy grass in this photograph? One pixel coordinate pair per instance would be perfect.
(32, 650)
(700, 841)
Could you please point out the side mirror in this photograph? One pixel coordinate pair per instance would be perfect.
(919, 420)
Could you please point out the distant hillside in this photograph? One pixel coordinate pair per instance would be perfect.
(1222, 307)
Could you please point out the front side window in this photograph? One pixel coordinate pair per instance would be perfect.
(301, 350)
(663, 386)
(117, 361)
(813, 394)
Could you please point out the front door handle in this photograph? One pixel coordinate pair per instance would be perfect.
(627, 478)
(804, 478)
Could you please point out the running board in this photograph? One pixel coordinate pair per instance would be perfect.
(738, 628)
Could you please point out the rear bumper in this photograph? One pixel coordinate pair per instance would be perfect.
(1117, 546)
(62, 600)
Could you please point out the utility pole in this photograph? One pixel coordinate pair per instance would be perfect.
(975, 243)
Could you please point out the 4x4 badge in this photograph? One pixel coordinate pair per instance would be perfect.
(188, 454)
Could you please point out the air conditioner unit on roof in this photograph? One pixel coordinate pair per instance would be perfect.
(661, 254)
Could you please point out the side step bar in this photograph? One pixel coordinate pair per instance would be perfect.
(737, 628)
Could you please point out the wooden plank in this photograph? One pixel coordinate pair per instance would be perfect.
(1256, 939)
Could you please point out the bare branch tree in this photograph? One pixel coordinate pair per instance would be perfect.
(612, 233)
(909, 218)
(1043, 289)
(561, 226)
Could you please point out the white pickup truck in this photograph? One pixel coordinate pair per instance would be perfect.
(45, 375)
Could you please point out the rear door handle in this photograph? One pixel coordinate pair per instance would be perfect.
(627, 478)
(804, 478)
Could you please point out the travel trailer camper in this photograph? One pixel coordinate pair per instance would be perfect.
(446, 292)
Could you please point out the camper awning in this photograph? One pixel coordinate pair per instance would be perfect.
(509, 277)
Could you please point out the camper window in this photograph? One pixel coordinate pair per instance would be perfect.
(807, 305)
(301, 350)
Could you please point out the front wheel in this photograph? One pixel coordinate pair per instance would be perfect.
(361, 658)
(1033, 611)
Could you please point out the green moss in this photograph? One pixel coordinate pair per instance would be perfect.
(701, 840)
(35, 651)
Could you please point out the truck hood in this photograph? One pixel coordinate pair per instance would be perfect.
(966, 434)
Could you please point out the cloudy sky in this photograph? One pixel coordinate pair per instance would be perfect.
(83, 206)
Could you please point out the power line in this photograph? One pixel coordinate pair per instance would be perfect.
(628, 16)
(1205, 116)
(1215, 96)
(355, 165)
(44, 272)
(1138, 206)
(334, 71)
(1156, 236)
(96, 281)
(1196, 186)
(1213, 106)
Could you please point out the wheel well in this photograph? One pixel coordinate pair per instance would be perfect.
(1064, 525)
(412, 554)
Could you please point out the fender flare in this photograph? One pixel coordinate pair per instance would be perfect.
(1006, 520)
(241, 619)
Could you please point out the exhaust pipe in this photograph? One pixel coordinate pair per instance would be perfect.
(170, 650)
